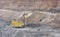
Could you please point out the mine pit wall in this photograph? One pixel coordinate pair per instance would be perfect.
(30, 4)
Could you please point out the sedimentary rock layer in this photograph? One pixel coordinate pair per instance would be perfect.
(30, 4)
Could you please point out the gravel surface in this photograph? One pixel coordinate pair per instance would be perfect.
(42, 31)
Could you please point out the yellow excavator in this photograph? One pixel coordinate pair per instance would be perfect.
(16, 23)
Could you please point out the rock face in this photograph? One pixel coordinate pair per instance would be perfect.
(30, 4)
(55, 23)
(51, 19)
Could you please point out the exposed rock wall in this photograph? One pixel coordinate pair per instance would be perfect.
(30, 4)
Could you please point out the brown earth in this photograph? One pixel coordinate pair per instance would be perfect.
(30, 4)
